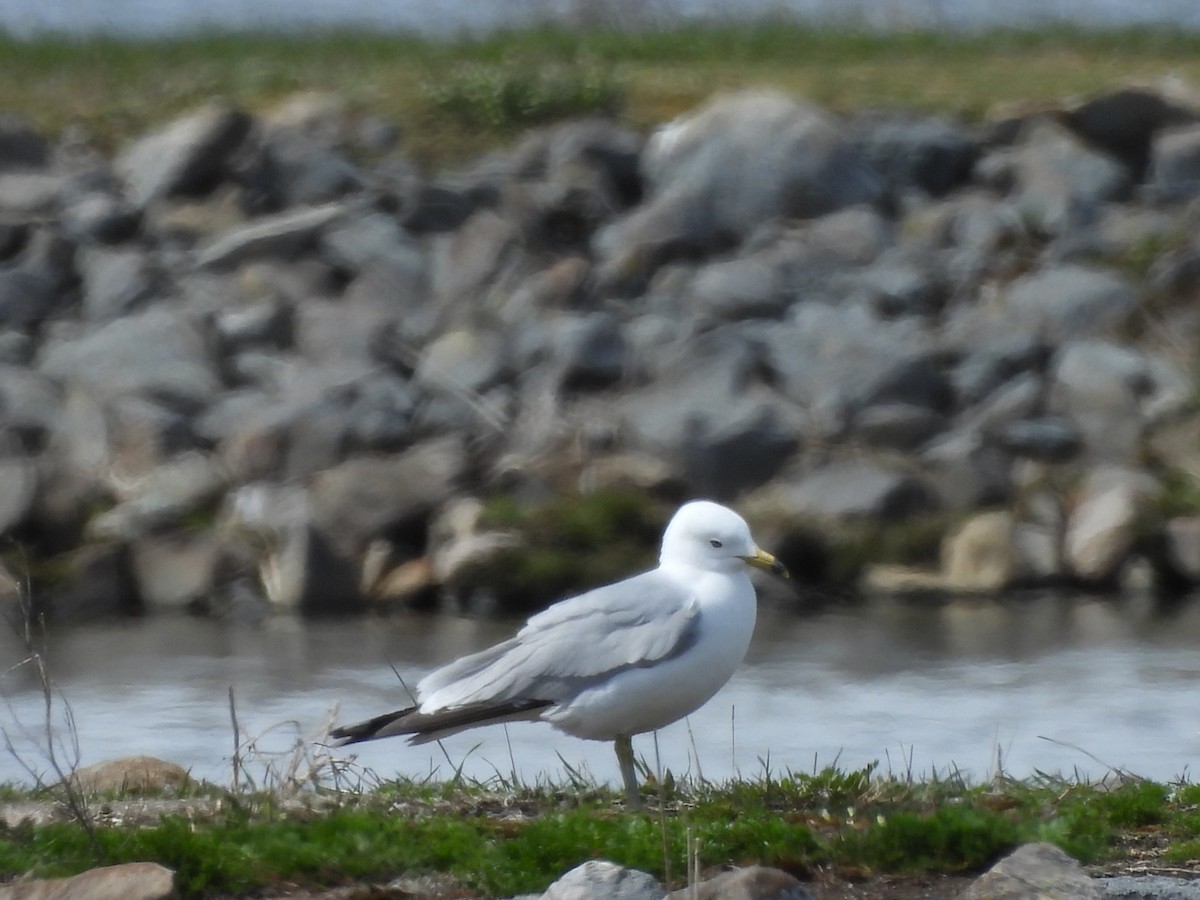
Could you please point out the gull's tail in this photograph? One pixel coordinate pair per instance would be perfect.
(422, 727)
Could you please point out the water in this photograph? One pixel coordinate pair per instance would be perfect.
(1050, 684)
(152, 18)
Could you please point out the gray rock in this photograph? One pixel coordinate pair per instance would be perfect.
(164, 496)
(1049, 439)
(470, 361)
(837, 361)
(431, 207)
(1034, 872)
(740, 288)
(160, 352)
(1112, 393)
(1058, 181)
(281, 236)
(1068, 302)
(21, 147)
(144, 433)
(27, 297)
(1182, 538)
(1021, 398)
(1148, 887)
(897, 426)
(599, 879)
(1175, 164)
(293, 170)
(128, 881)
(466, 264)
(929, 155)
(590, 351)
(749, 883)
(857, 490)
(99, 217)
(30, 405)
(1103, 526)
(30, 196)
(366, 497)
(716, 174)
(16, 348)
(18, 490)
(1125, 121)
(892, 288)
(115, 282)
(265, 323)
(966, 470)
(985, 368)
(188, 156)
(359, 241)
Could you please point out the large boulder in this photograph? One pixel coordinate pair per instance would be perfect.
(716, 174)
(189, 156)
(161, 352)
(128, 881)
(1103, 526)
(1032, 872)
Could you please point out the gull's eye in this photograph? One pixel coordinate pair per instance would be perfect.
(715, 543)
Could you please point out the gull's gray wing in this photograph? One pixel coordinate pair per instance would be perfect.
(572, 645)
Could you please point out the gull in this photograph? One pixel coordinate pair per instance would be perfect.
(623, 659)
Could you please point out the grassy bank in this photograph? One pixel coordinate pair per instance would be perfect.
(457, 99)
(499, 840)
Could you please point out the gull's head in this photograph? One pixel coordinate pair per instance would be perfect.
(709, 536)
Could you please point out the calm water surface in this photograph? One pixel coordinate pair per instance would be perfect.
(1049, 684)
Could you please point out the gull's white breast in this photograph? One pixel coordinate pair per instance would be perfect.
(642, 699)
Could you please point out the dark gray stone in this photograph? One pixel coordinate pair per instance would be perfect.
(857, 490)
(99, 217)
(189, 156)
(933, 156)
(160, 353)
(591, 351)
(1057, 181)
(18, 491)
(1049, 439)
(1124, 123)
(368, 497)
(27, 297)
(740, 288)
(1175, 164)
(1070, 301)
(897, 426)
(1111, 393)
(94, 581)
(115, 281)
(21, 147)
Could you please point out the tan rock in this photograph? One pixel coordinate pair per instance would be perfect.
(130, 775)
(131, 881)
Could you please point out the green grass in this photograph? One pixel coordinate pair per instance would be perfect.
(457, 99)
(518, 839)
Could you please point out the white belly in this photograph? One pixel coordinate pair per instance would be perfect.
(638, 700)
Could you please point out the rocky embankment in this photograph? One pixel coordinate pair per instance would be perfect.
(265, 358)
